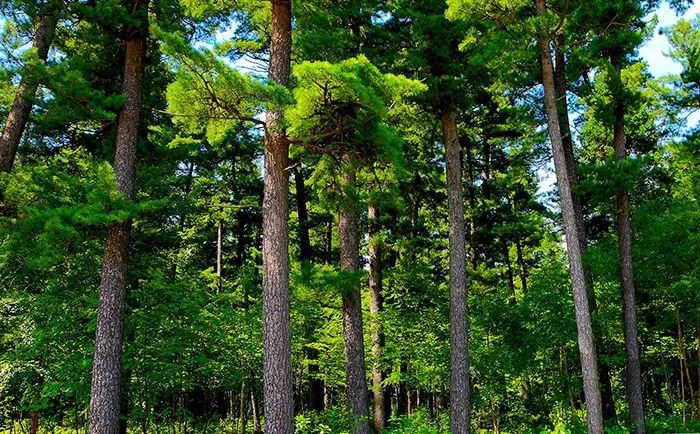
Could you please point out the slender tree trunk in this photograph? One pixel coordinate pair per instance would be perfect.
(106, 370)
(278, 385)
(629, 305)
(303, 214)
(219, 240)
(402, 390)
(589, 365)
(681, 361)
(34, 424)
(22, 105)
(254, 410)
(560, 87)
(459, 315)
(242, 409)
(375, 308)
(348, 226)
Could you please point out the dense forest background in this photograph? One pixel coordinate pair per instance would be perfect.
(404, 149)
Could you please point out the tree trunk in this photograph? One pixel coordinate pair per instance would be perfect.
(353, 336)
(303, 215)
(402, 390)
(278, 386)
(560, 87)
(106, 370)
(219, 240)
(459, 315)
(34, 424)
(22, 105)
(629, 305)
(589, 365)
(375, 308)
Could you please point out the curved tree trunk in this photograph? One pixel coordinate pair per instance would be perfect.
(348, 226)
(459, 315)
(106, 370)
(589, 365)
(624, 239)
(22, 105)
(375, 308)
(278, 385)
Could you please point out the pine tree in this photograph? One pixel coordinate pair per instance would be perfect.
(106, 370)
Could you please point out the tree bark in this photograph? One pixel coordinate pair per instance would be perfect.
(106, 370)
(21, 108)
(278, 385)
(459, 315)
(34, 424)
(348, 226)
(375, 308)
(560, 87)
(589, 365)
(624, 239)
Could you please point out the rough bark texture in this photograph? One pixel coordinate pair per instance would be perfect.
(348, 227)
(106, 370)
(589, 365)
(629, 305)
(278, 385)
(375, 308)
(560, 88)
(459, 316)
(22, 105)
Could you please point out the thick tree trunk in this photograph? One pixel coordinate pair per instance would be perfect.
(375, 308)
(278, 385)
(629, 305)
(589, 365)
(303, 215)
(106, 370)
(22, 105)
(348, 227)
(459, 315)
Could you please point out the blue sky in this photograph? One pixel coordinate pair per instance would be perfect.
(655, 49)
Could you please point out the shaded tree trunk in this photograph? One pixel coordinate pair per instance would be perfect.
(375, 308)
(277, 370)
(589, 365)
(106, 370)
(348, 226)
(629, 304)
(21, 108)
(459, 316)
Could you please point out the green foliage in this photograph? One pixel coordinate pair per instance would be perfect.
(340, 108)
